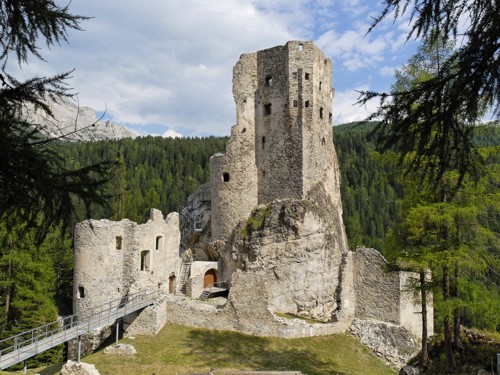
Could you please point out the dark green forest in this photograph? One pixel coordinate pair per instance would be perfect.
(161, 172)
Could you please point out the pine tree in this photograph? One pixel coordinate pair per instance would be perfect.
(34, 180)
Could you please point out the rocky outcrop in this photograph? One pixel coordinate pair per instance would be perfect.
(120, 349)
(73, 123)
(394, 344)
(293, 246)
(74, 368)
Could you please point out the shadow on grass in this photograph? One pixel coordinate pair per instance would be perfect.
(222, 349)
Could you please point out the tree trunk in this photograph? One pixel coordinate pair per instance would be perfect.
(424, 359)
(8, 290)
(448, 349)
(457, 342)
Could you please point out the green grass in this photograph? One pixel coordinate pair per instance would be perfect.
(180, 350)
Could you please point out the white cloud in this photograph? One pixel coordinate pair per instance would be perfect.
(345, 108)
(387, 71)
(170, 133)
(169, 63)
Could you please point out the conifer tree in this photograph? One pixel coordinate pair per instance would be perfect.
(434, 117)
(35, 184)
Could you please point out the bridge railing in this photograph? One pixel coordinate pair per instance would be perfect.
(69, 327)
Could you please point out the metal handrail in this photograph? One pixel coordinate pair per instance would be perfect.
(24, 345)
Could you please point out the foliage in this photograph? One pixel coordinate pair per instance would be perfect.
(152, 172)
(27, 284)
(36, 186)
(434, 117)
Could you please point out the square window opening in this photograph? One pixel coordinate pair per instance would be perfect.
(225, 177)
(306, 104)
(119, 242)
(268, 109)
(321, 112)
(81, 292)
(269, 81)
(307, 76)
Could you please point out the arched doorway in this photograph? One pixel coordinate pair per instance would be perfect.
(211, 277)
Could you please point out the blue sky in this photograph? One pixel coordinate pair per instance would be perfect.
(165, 66)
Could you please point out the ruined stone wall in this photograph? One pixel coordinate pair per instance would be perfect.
(388, 296)
(108, 258)
(233, 175)
(278, 143)
(377, 291)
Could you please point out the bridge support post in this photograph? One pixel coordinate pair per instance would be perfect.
(117, 330)
(25, 367)
(79, 348)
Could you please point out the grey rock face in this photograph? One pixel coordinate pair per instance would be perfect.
(74, 368)
(120, 349)
(392, 343)
(73, 123)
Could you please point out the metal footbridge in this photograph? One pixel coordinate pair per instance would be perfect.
(25, 345)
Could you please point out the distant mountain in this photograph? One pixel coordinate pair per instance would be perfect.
(74, 124)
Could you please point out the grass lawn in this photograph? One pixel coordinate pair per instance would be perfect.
(180, 350)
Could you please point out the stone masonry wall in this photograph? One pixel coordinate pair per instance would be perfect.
(377, 291)
(233, 175)
(108, 258)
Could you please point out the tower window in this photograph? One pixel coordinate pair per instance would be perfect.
(323, 141)
(320, 85)
(307, 76)
(159, 241)
(268, 109)
(321, 112)
(295, 103)
(269, 81)
(145, 260)
(330, 117)
(263, 142)
(225, 177)
(301, 47)
(119, 242)
(81, 292)
(306, 104)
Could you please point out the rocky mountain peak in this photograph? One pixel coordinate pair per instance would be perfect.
(73, 123)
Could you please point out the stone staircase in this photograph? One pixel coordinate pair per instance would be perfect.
(184, 277)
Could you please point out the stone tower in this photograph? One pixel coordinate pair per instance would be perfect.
(281, 146)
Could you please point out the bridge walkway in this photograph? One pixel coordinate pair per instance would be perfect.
(18, 348)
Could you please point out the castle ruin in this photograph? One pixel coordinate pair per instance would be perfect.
(267, 227)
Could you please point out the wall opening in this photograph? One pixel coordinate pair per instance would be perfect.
(321, 112)
(225, 177)
(263, 142)
(243, 130)
(119, 242)
(301, 47)
(295, 103)
(159, 242)
(330, 118)
(323, 141)
(145, 260)
(81, 292)
(268, 109)
(320, 85)
(307, 76)
(210, 277)
(294, 75)
(306, 104)
(269, 81)
(171, 284)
